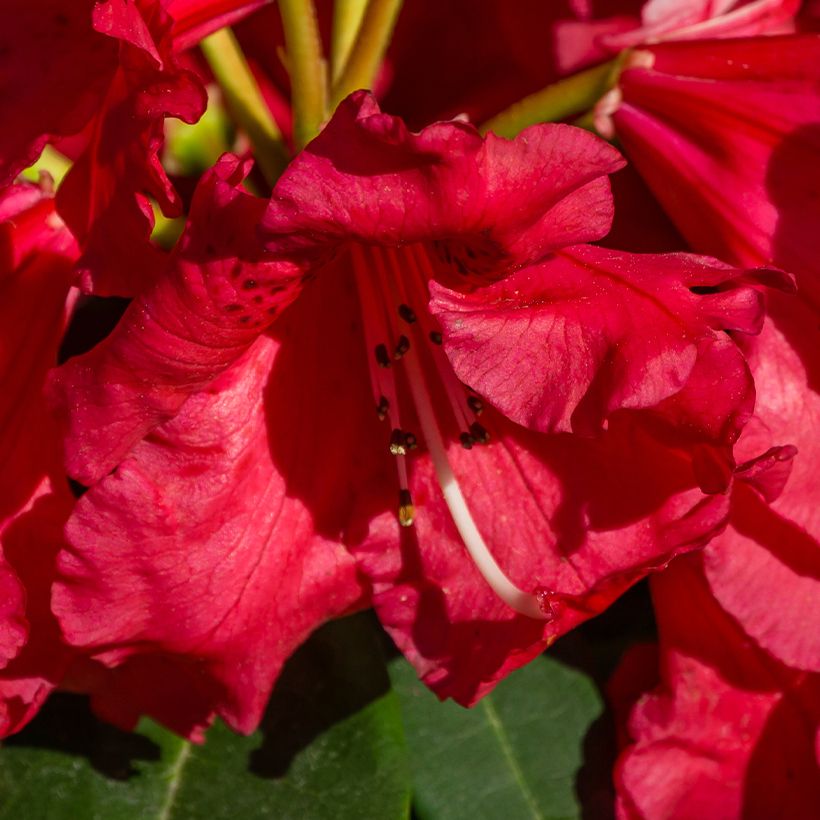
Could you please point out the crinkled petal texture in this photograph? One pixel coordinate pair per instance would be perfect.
(218, 543)
(201, 316)
(578, 520)
(494, 204)
(730, 733)
(215, 548)
(35, 275)
(765, 570)
(104, 198)
(630, 331)
(253, 456)
(491, 205)
(726, 135)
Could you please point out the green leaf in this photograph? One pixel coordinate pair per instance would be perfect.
(330, 746)
(516, 754)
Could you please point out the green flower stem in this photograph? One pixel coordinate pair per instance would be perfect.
(567, 97)
(245, 101)
(368, 50)
(306, 66)
(347, 19)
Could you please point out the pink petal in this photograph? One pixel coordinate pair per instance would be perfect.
(665, 20)
(13, 625)
(563, 345)
(493, 204)
(35, 276)
(730, 733)
(104, 196)
(724, 133)
(216, 545)
(198, 319)
(765, 570)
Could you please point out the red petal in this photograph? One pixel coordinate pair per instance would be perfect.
(765, 570)
(730, 733)
(54, 68)
(103, 198)
(496, 203)
(216, 545)
(563, 345)
(582, 520)
(176, 338)
(35, 274)
(725, 134)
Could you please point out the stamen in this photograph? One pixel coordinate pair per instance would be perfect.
(407, 512)
(382, 359)
(410, 441)
(479, 433)
(377, 326)
(406, 313)
(397, 443)
(466, 441)
(402, 346)
(436, 338)
(475, 404)
(515, 598)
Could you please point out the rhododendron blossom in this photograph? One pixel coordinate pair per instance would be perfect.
(369, 222)
(374, 351)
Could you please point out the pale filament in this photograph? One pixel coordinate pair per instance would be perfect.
(518, 600)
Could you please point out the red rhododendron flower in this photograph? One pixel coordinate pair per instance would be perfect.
(765, 570)
(106, 69)
(731, 732)
(256, 491)
(725, 134)
(35, 277)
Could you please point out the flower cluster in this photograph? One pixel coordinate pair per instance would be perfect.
(435, 347)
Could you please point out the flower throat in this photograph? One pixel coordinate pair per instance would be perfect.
(393, 292)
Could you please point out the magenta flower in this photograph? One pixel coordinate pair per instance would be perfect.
(725, 134)
(730, 730)
(110, 78)
(269, 477)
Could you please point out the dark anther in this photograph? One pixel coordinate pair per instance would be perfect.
(478, 432)
(410, 441)
(402, 346)
(250, 284)
(467, 441)
(382, 408)
(435, 337)
(406, 510)
(397, 445)
(382, 357)
(233, 307)
(475, 404)
(406, 313)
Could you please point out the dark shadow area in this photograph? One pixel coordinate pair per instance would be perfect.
(93, 319)
(596, 648)
(793, 185)
(66, 724)
(338, 672)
